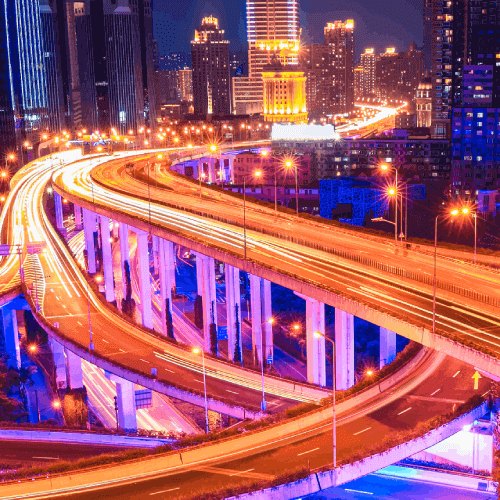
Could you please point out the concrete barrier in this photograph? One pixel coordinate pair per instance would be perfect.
(85, 438)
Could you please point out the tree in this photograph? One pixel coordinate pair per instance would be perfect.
(198, 311)
(169, 320)
(237, 328)
(213, 332)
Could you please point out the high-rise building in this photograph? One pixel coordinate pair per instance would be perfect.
(77, 64)
(427, 48)
(339, 39)
(423, 103)
(399, 73)
(33, 74)
(186, 84)
(358, 82)
(368, 78)
(147, 60)
(123, 65)
(211, 73)
(284, 94)
(272, 30)
(314, 61)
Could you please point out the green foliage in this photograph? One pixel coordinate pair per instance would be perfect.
(10, 409)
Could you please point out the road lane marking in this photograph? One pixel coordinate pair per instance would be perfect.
(46, 458)
(361, 432)
(456, 374)
(358, 491)
(404, 411)
(145, 361)
(163, 491)
(167, 370)
(306, 452)
(121, 350)
(199, 381)
(241, 472)
(106, 341)
(79, 323)
(435, 392)
(232, 392)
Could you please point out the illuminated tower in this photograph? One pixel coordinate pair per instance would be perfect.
(211, 77)
(284, 94)
(339, 38)
(272, 31)
(368, 62)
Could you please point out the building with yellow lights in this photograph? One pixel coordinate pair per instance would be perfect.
(284, 94)
(273, 32)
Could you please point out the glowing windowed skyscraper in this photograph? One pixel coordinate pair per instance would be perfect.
(273, 32)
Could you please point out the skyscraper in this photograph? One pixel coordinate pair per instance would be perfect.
(339, 39)
(30, 50)
(272, 29)
(77, 64)
(211, 74)
(368, 62)
(123, 64)
(147, 60)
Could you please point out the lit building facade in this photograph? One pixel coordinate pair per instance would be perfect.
(284, 94)
(211, 73)
(399, 73)
(31, 72)
(186, 84)
(423, 103)
(272, 30)
(339, 39)
(367, 79)
(123, 65)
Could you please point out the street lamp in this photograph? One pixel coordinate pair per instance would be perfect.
(291, 163)
(334, 388)
(394, 191)
(198, 350)
(465, 211)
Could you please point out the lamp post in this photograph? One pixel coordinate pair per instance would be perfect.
(465, 210)
(334, 388)
(395, 191)
(289, 164)
(198, 350)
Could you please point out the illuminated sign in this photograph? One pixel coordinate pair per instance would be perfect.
(304, 133)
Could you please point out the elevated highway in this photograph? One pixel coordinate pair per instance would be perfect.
(359, 273)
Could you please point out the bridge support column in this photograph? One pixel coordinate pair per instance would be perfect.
(11, 337)
(125, 399)
(387, 346)
(166, 265)
(205, 276)
(156, 254)
(261, 311)
(344, 348)
(107, 258)
(144, 279)
(315, 344)
(74, 373)
(78, 217)
(59, 363)
(124, 254)
(233, 314)
(89, 227)
(267, 312)
(59, 211)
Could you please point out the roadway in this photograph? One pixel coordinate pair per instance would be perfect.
(395, 488)
(63, 296)
(437, 386)
(410, 300)
(20, 454)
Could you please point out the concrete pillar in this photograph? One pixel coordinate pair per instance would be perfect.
(59, 363)
(78, 217)
(256, 309)
(124, 253)
(267, 314)
(74, 373)
(165, 257)
(125, 399)
(205, 276)
(387, 346)
(315, 344)
(233, 310)
(156, 254)
(59, 211)
(107, 258)
(344, 347)
(115, 230)
(144, 279)
(89, 223)
(11, 337)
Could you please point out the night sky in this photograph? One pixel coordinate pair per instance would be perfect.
(379, 23)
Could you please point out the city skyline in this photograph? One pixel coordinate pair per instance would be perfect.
(378, 24)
